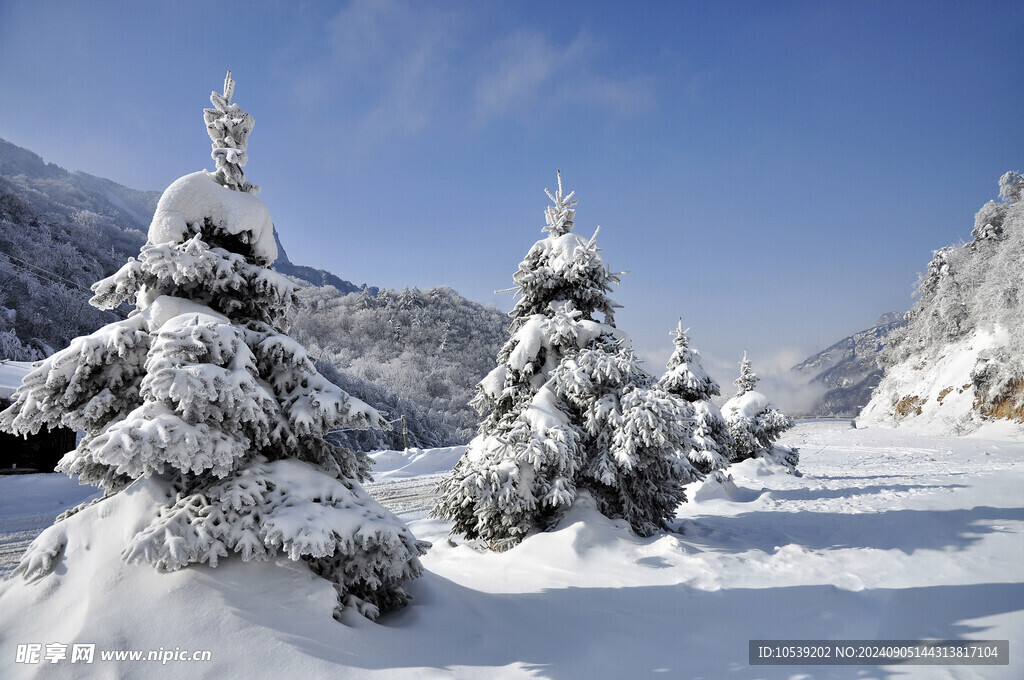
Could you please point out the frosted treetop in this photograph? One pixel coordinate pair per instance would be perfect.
(559, 217)
(229, 126)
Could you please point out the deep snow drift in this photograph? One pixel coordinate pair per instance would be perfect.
(888, 535)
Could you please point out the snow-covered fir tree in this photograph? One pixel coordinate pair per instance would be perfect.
(568, 409)
(748, 379)
(754, 422)
(686, 378)
(202, 389)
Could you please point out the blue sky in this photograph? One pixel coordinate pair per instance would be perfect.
(775, 173)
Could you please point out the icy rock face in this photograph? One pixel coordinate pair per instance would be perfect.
(936, 395)
(196, 203)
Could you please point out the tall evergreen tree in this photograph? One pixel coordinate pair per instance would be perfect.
(202, 388)
(567, 408)
(686, 378)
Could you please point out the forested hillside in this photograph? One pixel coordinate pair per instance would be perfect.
(960, 358)
(59, 232)
(414, 352)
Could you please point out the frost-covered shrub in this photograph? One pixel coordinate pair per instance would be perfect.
(202, 388)
(686, 378)
(567, 408)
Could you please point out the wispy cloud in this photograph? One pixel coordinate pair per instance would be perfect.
(393, 58)
(528, 72)
(391, 70)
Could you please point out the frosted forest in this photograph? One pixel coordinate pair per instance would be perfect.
(308, 479)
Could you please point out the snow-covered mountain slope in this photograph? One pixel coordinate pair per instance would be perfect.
(888, 535)
(959, 361)
(59, 232)
(934, 395)
(849, 369)
(45, 186)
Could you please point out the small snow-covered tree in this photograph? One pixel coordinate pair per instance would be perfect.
(748, 379)
(202, 388)
(567, 408)
(754, 423)
(686, 378)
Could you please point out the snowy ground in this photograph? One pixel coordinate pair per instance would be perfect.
(888, 535)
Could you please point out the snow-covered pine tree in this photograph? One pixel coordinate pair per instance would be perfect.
(202, 389)
(754, 422)
(748, 379)
(686, 378)
(568, 409)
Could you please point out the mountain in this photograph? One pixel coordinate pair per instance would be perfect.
(316, 277)
(848, 370)
(46, 186)
(59, 232)
(959, 361)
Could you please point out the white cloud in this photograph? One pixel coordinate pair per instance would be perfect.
(527, 73)
(390, 70)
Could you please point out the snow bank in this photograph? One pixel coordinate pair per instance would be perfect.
(196, 197)
(245, 613)
(415, 462)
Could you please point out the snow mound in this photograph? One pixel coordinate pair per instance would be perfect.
(196, 197)
(727, 489)
(95, 597)
(746, 405)
(415, 462)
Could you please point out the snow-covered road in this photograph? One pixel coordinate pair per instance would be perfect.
(408, 498)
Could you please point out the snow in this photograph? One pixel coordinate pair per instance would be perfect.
(11, 375)
(561, 250)
(942, 386)
(414, 462)
(167, 307)
(890, 534)
(197, 196)
(746, 405)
